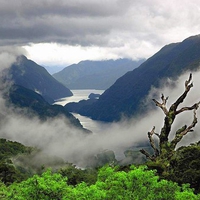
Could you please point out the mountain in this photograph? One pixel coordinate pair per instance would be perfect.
(125, 95)
(28, 74)
(95, 74)
(35, 104)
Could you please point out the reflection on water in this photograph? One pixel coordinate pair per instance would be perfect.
(77, 96)
(94, 126)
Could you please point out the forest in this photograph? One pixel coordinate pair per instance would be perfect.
(135, 135)
(168, 173)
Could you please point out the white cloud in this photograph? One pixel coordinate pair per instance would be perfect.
(94, 30)
(9, 54)
(56, 138)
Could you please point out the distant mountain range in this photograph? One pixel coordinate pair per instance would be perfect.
(95, 74)
(125, 95)
(30, 75)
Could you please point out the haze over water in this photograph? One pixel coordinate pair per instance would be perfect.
(94, 126)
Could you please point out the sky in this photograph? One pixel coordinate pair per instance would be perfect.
(59, 33)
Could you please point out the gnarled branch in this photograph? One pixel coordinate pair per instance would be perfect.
(171, 115)
(166, 148)
(163, 104)
(184, 130)
(188, 86)
(148, 156)
(195, 106)
(151, 140)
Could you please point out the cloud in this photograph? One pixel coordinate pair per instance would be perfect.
(65, 22)
(9, 54)
(54, 137)
(112, 29)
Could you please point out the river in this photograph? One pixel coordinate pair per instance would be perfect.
(94, 126)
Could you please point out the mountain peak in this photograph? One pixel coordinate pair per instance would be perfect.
(30, 75)
(124, 97)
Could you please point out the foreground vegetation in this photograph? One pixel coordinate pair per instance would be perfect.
(170, 174)
(138, 183)
(28, 181)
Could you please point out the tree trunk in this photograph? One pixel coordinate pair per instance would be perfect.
(166, 149)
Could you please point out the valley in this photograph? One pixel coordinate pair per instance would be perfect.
(99, 100)
(89, 128)
(78, 95)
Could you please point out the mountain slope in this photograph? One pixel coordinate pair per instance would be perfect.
(35, 104)
(125, 95)
(95, 74)
(34, 77)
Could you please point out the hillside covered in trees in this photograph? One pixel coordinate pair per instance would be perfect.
(168, 173)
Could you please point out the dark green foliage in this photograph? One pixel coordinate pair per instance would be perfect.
(8, 171)
(185, 166)
(76, 176)
(9, 149)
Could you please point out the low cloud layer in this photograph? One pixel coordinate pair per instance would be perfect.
(56, 138)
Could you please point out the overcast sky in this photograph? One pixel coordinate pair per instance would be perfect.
(62, 32)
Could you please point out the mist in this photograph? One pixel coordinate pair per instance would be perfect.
(54, 137)
(8, 55)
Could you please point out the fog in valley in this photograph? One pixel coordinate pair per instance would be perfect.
(56, 138)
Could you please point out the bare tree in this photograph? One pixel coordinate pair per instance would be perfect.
(165, 148)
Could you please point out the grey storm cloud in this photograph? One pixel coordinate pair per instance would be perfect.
(64, 21)
(92, 22)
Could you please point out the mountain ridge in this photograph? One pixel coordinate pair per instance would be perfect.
(33, 104)
(89, 74)
(124, 97)
(30, 75)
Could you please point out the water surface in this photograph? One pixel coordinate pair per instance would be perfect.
(93, 125)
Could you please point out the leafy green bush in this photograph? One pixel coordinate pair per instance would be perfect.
(137, 184)
(47, 186)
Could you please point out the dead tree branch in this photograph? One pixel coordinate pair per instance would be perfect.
(188, 86)
(163, 104)
(183, 131)
(195, 106)
(166, 148)
(152, 142)
(170, 117)
(148, 156)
